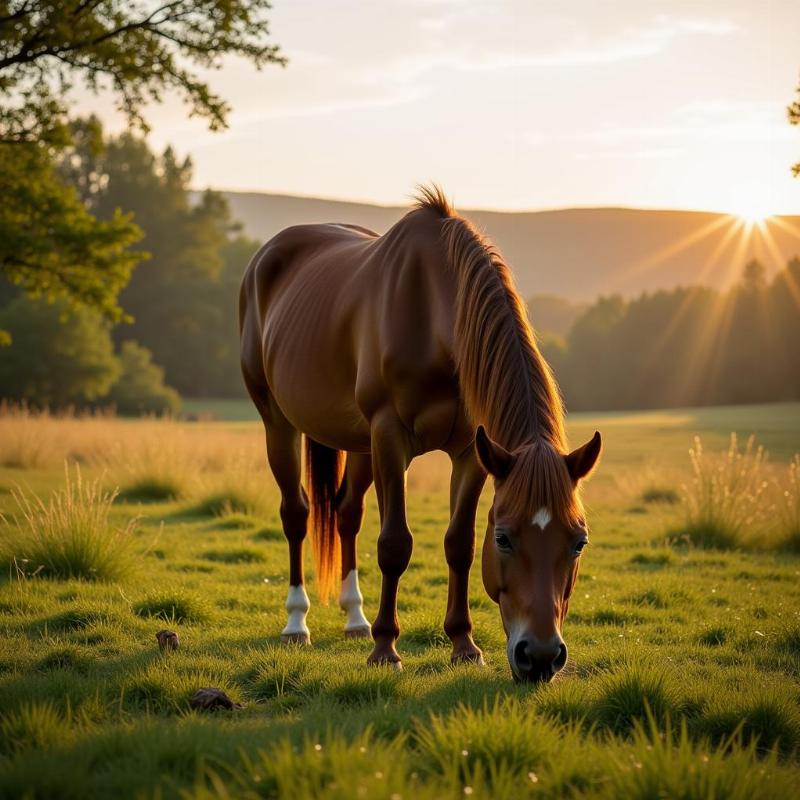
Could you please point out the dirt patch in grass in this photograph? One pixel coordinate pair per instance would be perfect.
(151, 490)
(269, 534)
(242, 555)
(655, 559)
(173, 608)
(660, 494)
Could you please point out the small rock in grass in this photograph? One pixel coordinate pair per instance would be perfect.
(167, 640)
(211, 699)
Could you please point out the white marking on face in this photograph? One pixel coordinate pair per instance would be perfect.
(350, 601)
(542, 518)
(297, 604)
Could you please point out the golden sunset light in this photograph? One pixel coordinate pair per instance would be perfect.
(508, 103)
(754, 209)
(400, 399)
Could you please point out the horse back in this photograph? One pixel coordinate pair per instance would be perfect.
(356, 321)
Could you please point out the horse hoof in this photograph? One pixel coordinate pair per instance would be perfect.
(385, 657)
(395, 666)
(302, 638)
(468, 657)
(362, 632)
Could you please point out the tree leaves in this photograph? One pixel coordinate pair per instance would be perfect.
(50, 245)
(140, 50)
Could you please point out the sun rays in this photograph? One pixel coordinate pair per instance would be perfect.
(751, 233)
(754, 212)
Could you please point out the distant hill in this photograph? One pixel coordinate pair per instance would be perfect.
(574, 253)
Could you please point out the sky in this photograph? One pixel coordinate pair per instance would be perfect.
(510, 105)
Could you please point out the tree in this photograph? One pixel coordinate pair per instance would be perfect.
(137, 49)
(52, 360)
(51, 245)
(176, 299)
(585, 377)
(183, 299)
(689, 346)
(784, 303)
(140, 388)
(754, 276)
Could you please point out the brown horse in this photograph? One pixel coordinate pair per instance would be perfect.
(390, 346)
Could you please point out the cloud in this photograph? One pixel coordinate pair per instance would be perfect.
(632, 155)
(709, 121)
(448, 42)
(631, 44)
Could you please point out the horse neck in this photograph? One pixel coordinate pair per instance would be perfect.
(506, 384)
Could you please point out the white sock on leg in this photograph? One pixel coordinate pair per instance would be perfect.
(351, 602)
(297, 604)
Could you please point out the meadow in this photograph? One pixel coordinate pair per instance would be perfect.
(683, 632)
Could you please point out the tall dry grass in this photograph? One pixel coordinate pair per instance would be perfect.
(788, 505)
(214, 468)
(151, 459)
(648, 483)
(70, 535)
(42, 439)
(28, 439)
(737, 498)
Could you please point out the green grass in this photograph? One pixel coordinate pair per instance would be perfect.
(240, 555)
(69, 536)
(682, 679)
(151, 489)
(173, 607)
(227, 409)
(228, 502)
(660, 494)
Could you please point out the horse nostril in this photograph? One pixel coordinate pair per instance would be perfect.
(522, 657)
(561, 659)
(533, 661)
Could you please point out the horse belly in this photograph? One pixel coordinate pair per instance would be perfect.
(314, 385)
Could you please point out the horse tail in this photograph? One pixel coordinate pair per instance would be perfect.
(324, 471)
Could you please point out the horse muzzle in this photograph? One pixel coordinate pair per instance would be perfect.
(534, 661)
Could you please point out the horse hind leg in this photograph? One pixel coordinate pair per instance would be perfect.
(283, 455)
(283, 450)
(349, 516)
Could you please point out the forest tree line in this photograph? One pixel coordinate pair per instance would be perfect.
(687, 346)
(179, 334)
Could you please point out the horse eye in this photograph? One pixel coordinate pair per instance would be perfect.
(579, 546)
(502, 541)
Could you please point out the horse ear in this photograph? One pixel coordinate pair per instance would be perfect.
(496, 460)
(582, 461)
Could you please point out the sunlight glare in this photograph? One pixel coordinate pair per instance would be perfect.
(753, 211)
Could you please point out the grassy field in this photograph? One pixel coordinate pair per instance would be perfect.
(683, 679)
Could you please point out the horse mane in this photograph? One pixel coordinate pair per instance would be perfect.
(434, 198)
(506, 384)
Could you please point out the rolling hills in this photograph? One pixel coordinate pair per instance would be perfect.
(575, 253)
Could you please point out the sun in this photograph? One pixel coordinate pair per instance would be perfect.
(753, 211)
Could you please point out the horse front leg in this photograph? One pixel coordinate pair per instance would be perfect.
(389, 463)
(466, 484)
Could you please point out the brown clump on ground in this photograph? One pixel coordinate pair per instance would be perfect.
(167, 640)
(210, 699)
